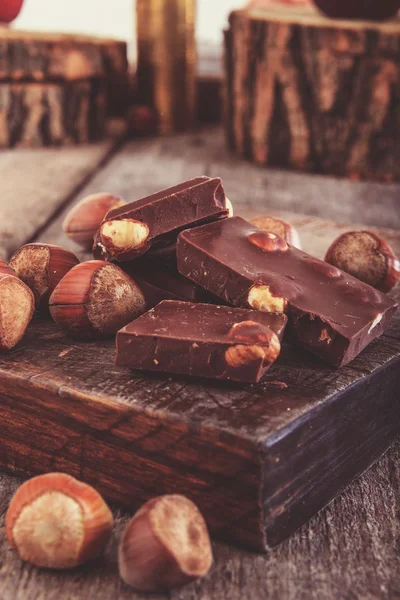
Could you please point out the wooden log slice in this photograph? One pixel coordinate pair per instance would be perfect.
(307, 92)
(42, 114)
(30, 56)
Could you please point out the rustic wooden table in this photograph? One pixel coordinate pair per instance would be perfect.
(351, 550)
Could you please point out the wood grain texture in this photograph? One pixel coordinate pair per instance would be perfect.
(314, 94)
(46, 114)
(34, 56)
(36, 183)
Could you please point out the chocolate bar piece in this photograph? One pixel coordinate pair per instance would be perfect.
(331, 313)
(162, 281)
(132, 229)
(202, 340)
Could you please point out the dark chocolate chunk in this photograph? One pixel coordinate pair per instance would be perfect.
(330, 312)
(131, 230)
(202, 340)
(162, 281)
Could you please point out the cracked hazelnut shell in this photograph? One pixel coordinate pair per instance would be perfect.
(84, 219)
(367, 257)
(41, 267)
(165, 545)
(95, 299)
(57, 522)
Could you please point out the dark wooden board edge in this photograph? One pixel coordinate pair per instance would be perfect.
(320, 456)
(130, 456)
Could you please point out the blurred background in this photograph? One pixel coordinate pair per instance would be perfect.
(116, 18)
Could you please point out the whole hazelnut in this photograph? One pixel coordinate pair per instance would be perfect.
(84, 219)
(95, 299)
(165, 545)
(281, 228)
(17, 306)
(41, 267)
(366, 256)
(57, 522)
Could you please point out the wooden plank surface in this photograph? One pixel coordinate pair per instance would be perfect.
(351, 549)
(35, 184)
(145, 166)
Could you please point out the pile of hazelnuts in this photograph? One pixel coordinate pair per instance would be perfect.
(57, 522)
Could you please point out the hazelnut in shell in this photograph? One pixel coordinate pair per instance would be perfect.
(165, 545)
(95, 299)
(281, 228)
(58, 522)
(17, 306)
(367, 257)
(41, 267)
(84, 219)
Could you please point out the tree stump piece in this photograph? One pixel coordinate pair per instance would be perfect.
(41, 114)
(311, 93)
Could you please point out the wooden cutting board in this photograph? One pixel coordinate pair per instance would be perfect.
(259, 460)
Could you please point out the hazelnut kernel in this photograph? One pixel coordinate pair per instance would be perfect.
(121, 237)
(261, 298)
(58, 522)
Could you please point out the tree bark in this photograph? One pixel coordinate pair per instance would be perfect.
(37, 57)
(307, 92)
(41, 114)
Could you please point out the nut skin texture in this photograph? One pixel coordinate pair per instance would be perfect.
(256, 343)
(41, 267)
(355, 9)
(39, 537)
(5, 268)
(381, 248)
(165, 545)
(95, 299)
(268, 241)
(84, 219)
(281, 228)
(17, 307)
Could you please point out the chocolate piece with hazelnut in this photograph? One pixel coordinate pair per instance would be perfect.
(330, 312)
(165, 545)
(130, 231)
(202, 340)
(95, 299)
(367, 257)
(281, 228)
(41, 267)
(57, 522)
(84, 219)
